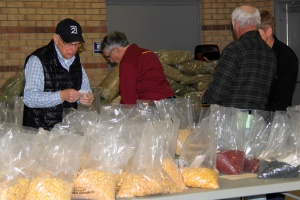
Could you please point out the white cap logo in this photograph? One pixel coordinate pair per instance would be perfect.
(73, 29)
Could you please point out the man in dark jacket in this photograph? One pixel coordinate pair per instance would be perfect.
(283, 86)
(55, 78)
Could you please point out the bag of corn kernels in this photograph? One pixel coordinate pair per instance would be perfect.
(17, 146)
(180, 108)
(55, 165)
(145, 175)
(107, 150)
(197, 158)
(168, 162)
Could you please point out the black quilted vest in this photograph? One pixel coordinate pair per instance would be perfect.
(56, 78)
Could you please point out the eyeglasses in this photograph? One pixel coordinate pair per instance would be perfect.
(108, 57)
(76, 45)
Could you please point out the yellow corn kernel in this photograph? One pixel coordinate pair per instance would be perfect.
(95, 184)
(182, 135)
(120, 180)
(15, 192)
(170, 167)
(200, 177)
(168, 183)
(135, 184)
(49, 188)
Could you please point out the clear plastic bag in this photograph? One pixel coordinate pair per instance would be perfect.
(183, 109)
(145, 175)
(108, 148)
(17, 147)
(168, 163)
(120, 112)
(55, 165)
(257, 138)
(230, 129)
(197, 158)
(281, 157)
(95, 107)
(75, 121)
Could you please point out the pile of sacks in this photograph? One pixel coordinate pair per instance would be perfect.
(185, 74)
(187, 77)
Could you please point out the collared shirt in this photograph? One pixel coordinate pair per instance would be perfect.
(34, 95)
(142, 76)
(244, 74)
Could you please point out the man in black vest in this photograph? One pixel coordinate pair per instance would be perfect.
(55, 78)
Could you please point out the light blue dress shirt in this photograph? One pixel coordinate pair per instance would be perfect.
(34, 95)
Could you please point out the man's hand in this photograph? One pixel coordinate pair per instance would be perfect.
(87, 99)
(70, 95)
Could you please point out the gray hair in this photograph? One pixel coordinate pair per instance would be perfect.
(246, 15)
(114, 39)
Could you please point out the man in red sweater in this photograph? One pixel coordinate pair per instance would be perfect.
(141, 73)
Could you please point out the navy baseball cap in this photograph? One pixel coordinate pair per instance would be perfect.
(69, 30)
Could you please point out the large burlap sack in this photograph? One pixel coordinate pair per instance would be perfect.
(174, 57)
(14, 86)
(195, 67)
(172, 72)
(109, 86)
(201, 86)
(178, 88)
(207, 78)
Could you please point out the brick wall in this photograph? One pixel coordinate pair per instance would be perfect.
(26, 25)
(216, 19)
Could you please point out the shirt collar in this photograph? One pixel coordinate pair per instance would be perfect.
(63, 61)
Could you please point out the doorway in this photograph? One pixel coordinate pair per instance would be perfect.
(156, 24)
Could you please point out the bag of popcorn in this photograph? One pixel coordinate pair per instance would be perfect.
(16, 147)
(145, 175)
(197, 158)
(55, 165)
(107, 150)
